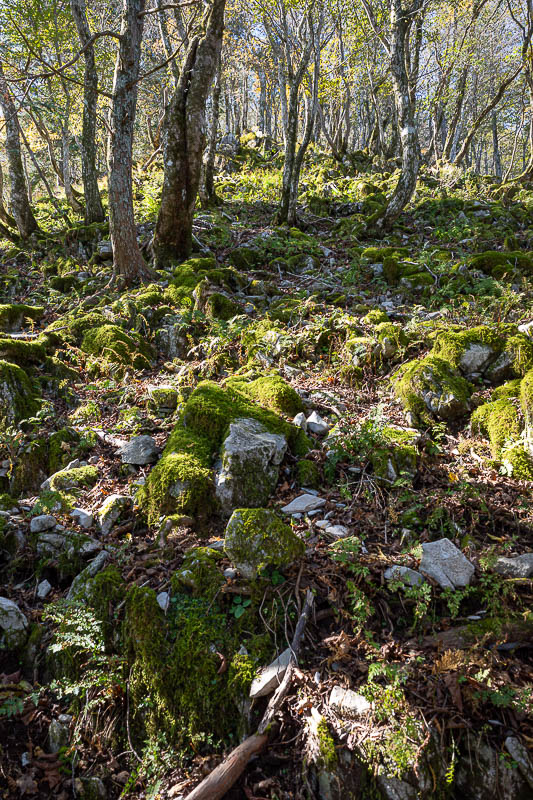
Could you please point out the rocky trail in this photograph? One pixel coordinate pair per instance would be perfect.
(289, 410)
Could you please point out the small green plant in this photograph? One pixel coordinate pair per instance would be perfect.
(239, 606)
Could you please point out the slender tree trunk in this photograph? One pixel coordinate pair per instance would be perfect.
(5, 217)
(128, 263)
(184, 140)
(401, 19)
(94, 210)
(18, 199)
(207, 184)
(497, 162)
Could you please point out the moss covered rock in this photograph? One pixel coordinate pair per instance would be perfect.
(270, 391)
(17, 394)
(199, 572)
(256, 538)
(499, 420)
(112, 345)
(398, 456)
(71, 480)
(430, 387)
(13, 315)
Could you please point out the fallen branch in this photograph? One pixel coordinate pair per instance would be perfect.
(223, 777)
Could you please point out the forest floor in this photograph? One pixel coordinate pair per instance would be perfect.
(336, 314)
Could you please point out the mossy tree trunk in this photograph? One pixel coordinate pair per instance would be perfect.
(18, 200)
(94, 210)
(184, 135)
(128, 263)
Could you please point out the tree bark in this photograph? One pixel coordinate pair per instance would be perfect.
(207, 192)
(184, 134)
(94, 210)
(128, 263)
(18, 198)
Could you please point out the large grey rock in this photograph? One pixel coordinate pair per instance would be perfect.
(44, 522)
(317, 425)
(304, 503)
(56, 544)
(480, 775)
(518, 567)
(347, 703)
(269, 678)
(249, 467)
(139, 451)
(475, 358)
(444, 562)
(111, 510)
(84, 518)
(13, 624)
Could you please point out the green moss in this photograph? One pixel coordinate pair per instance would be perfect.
(391, 332)
(245, 257)
(199, 572)
(499, 421)
(526, 396)
(308, 473)
(375, 317)
(256, 538)
(219, 306)
(397, 456)
(165, 653)
(270, 391)
(391, 270)
(326, 745)
(73, 479)
(377, 254)
(113, 345)
(17, 394)
(451, 345)
(13, 315)
(30, 468)
(507, 390)
(520, 349)
(435, 376)
(498, 263)
(517, 462)
(25, 353)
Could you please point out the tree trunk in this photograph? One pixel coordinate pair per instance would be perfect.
(184, 140)
(94, 210)
(18, 198)
(405, 111)
(128, 263)
(207, 185)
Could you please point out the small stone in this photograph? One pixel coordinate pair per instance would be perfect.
(139, 451)
(58, 736)
(163, 600)
(518, 567)
(347, 703)
(44, 589)
(110, 511)
(338, 531)
(44, 522)
(93, 460)
(446, 564)
(322, 524)
(404, 574)
(13, 624)
(303, 503)
(269, 678)
(317, 425)
(83, 518)
(230, 573)
(25, 759)
(300, 421)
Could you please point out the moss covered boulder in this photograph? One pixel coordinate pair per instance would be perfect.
(397, 456)
(430, 388)
(112, 345)
(17, 394)
(257, 538)
(183, 480)
(13, 315)
(270, 391)
(71, 480)
(502, 264)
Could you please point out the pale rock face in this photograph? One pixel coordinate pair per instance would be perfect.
(249, 467)
(44, 522)
(139, 451)
(347, 703)
(317, 425)
(112, 510)
(404, 574)
(446, 564)
(13, 624)
(304, 503)
(475, 358)
(518, 567)
(269, 678)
